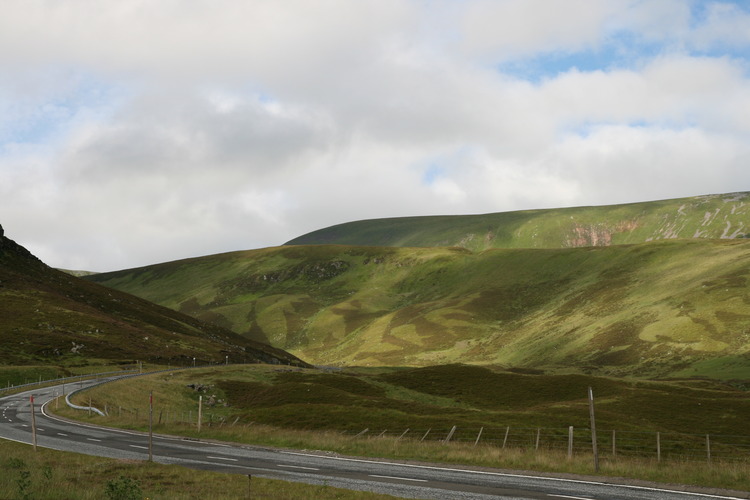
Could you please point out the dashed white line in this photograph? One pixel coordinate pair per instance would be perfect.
(400, 478)
(61, 434)
(137, 446)
(92, 439)
(297, 467)
(568, 496)
(227, 459)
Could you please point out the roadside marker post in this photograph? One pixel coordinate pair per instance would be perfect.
(200, 412)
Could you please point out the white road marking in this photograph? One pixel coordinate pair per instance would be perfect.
(567, 496)
(399, 478)
(227, 459)
(502, 474)
(61, 434)
(92, 439)
(297, 467)
(136, 446)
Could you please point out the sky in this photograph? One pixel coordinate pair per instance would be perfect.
(134, 132)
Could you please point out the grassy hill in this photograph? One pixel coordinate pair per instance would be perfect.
(723, 216)
(48, 317)
(674, 307)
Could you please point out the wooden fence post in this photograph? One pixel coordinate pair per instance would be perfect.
(593, 430)
(538, 433)
(658, 447)
(478, 436)
(450, 435)
(614, 446)
(505, 440)
(570, 442)
(425, 434)
(403, 434)
(708, 447)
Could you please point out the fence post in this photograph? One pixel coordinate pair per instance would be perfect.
(538, 433)
(593, 430)
(658, 447)
(403, 434)
(450, 435)
(425, 434)
(570, 442)
(614, 446)
(478, 436)
(505, 440)
(708, 447)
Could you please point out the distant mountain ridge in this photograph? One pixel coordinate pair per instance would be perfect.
(718, 216)
(52, 317)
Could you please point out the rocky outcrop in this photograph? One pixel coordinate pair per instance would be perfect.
(597, 235)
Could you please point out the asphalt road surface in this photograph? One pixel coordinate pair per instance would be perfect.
(397, 479)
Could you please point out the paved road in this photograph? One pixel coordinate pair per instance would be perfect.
(402, 480)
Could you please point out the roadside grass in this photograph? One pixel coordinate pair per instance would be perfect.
(321, 410)
(51, 475)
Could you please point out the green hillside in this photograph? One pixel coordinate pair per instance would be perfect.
(675, 307)
(49, 318)
(724, 216)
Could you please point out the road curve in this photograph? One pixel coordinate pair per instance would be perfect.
(397, 479)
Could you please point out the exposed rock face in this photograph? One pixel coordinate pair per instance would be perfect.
(596, 235)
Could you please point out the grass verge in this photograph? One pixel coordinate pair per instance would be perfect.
(51, 475)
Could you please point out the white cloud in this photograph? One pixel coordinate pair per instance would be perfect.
(134, 132)
(515, 28)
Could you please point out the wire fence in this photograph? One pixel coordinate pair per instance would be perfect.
(661, 446)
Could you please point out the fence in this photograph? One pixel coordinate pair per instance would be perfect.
(611, 443)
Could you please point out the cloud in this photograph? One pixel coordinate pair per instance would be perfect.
(136, 132)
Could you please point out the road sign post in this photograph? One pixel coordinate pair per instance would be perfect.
(33, 423)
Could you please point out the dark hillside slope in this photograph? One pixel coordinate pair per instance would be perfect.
(49, 316)
(660, 308)
(724, 216)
